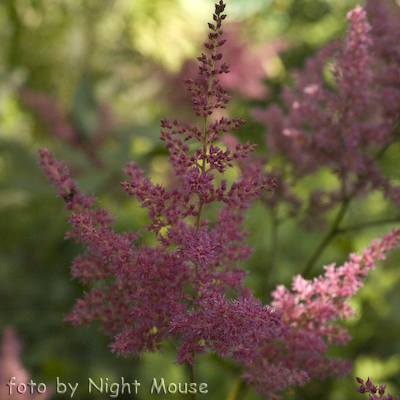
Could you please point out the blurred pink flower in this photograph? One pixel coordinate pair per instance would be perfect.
(11, 367)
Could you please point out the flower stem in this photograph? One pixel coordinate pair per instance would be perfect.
(192, 379)
(273, 247)
(240, 390)
(368, 224)
(333, 231)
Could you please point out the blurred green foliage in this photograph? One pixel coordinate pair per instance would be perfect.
(84, 53)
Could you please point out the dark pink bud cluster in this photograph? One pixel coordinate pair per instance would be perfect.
(207, 156)
(369, 387)
(56, 173)
(209, 95)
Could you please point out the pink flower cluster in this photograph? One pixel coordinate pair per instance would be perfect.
(315, 303)
(186, 287)
(63, 126)
(369, 387)
(310, 312)
(12, 370)
(158, 292)
(342, 115)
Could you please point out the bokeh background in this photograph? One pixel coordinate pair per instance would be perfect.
(90, 80)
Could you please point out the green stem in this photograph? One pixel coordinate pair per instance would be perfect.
(15, 34)
(239, 390)
(203, 168)
(368, 224)
(243, 393)
(192, 379)
(333, 231)
(273, 247)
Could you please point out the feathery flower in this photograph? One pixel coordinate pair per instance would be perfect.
(150, 294)
(188, 287)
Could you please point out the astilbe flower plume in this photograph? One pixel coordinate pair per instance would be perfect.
(310, 313)
(247, 70)
(174, 290)
(342, 115)
(188, 287)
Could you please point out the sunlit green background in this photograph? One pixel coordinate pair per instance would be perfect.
(110, 70)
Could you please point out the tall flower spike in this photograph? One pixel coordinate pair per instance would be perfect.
(144, 294)
(210, 95)
(186, 287)
(347, 122)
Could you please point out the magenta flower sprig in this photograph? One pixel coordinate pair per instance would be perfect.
(186, 287)
(310, 312)
(57, 173)
(314, 304)
(342, 118)
(169, 292)
(374, 391)
(203, 95)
